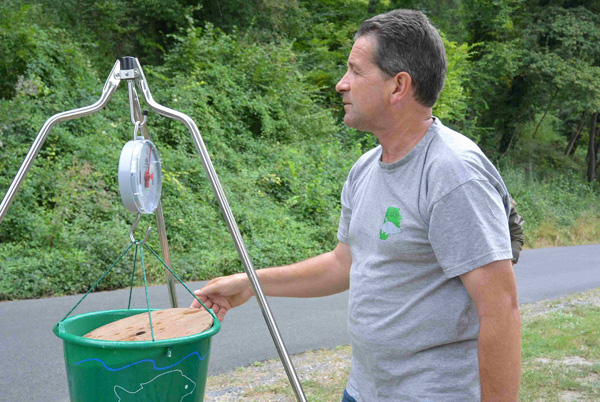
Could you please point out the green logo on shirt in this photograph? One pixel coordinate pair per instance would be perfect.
(391, 223)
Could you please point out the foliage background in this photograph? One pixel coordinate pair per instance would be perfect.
(258, 78)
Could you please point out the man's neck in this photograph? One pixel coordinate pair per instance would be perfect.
(403, 137)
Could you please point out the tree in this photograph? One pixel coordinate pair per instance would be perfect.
(532, 60)
(592, 154)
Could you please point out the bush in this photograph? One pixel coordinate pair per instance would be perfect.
(277, 153)
(261, 89)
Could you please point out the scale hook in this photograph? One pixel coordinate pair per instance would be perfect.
(132, 238)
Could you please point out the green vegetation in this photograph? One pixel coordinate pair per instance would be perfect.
(258, 78)
(560, 360)
(560, 210)
(561, 355)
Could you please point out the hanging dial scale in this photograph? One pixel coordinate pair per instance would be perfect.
(140, 174)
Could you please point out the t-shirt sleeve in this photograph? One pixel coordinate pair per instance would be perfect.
(468, 228)
(346, 214)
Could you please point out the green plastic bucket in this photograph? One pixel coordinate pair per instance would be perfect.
(162, 371)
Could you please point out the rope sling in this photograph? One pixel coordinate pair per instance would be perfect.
(139, 246)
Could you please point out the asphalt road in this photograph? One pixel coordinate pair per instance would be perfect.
(32, 365)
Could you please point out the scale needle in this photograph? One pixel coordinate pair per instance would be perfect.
(149, 176)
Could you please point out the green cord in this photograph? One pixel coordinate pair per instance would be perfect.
(180, 281)
(146, 289)
(98, 281)
(132, 276)
(138, 245)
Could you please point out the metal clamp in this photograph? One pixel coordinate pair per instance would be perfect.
(128, 70)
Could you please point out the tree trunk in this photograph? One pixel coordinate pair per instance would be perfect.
(575, 146)
(575, 136)
(591, 150)
(545, 113)
(597, 146)
(512, 138)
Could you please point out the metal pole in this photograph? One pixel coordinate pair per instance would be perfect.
(136, 115)
(109, 88)
(231, 224)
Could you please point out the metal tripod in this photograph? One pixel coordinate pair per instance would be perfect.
(129, 69)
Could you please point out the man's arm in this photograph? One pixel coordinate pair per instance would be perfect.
(494, 291)
(323, 275)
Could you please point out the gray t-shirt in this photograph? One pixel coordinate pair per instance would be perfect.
(413, 226)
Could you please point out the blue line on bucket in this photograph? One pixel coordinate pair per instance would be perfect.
(143, 361)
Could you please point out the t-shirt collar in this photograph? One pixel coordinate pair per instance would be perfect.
(435, 126)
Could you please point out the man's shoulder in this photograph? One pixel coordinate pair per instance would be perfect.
(367, 159)
(452, 160)
(455, 153)
(450, 148)
(370, 156)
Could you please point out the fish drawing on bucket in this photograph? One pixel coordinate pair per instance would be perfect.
(175, 381)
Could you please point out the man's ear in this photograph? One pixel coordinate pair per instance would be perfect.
(402, 85)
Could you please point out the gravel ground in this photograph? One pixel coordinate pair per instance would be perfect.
(589, 298)
(321, 365)
(326, 365)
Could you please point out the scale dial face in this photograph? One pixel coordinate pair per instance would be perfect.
(140, 176)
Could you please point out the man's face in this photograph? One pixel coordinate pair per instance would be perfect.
(363, 87)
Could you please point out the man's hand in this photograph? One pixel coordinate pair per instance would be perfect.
(224, 293)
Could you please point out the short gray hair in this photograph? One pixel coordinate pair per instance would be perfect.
(407, 41)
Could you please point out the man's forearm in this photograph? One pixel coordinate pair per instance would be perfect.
(500, 356)
(323, 275)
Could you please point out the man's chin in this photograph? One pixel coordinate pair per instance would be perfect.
(348, 121)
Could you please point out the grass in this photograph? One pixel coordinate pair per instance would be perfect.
(561, 360)
(561, 355)
(549, 233)
(559, 209)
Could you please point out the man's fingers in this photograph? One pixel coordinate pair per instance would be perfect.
(201, 292)
(216, 308)
(220, 308)
(219, 295)
(209, 290)
(221, 314)
(202, 298)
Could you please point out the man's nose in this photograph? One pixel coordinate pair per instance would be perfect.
(343, 85)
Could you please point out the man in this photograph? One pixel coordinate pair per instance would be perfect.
(424, 243)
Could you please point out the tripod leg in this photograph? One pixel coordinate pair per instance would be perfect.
(109, 88)
(231, 224)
